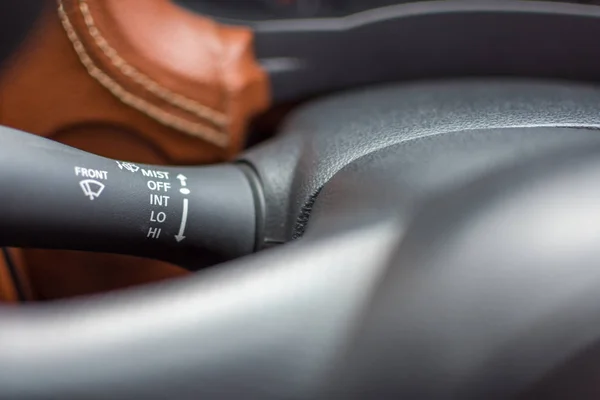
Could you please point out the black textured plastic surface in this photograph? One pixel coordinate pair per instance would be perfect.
(402, 177)
(326, 135)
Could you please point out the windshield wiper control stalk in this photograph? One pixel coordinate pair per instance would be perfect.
(55, 196)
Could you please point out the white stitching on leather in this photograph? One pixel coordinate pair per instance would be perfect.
(213, 136)
(143, 80)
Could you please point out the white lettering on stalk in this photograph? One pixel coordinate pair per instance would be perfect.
(154, 233)
(91, 173)
(160, 217)
(159, 200)
(159, 186)
(155, 174)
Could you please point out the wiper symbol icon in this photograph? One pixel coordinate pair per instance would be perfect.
(128, 166)
(91, 188)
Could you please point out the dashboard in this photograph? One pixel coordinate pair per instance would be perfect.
(258, 10)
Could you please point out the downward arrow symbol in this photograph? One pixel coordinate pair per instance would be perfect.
(179, 237)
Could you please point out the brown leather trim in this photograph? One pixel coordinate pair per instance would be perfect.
(7, 286)
(190, 105)
(45, 87)
(217, 137)
(200, 99)
(8, 279)
(58, 274)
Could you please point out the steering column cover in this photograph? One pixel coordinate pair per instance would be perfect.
(326, 135)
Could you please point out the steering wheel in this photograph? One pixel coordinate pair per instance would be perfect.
(433, 239)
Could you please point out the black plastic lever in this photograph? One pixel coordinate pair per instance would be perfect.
(55, 196)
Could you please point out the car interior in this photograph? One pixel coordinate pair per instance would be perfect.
(299, 199)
